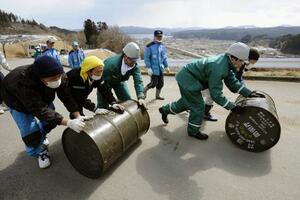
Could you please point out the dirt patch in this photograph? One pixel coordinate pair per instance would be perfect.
(102, 54)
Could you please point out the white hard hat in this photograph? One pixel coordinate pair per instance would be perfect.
(75, 43)
(132, 50)
(239, 50)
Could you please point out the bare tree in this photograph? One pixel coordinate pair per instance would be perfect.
(113, 39)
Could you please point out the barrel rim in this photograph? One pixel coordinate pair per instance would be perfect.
(72, 163)
(249, 150)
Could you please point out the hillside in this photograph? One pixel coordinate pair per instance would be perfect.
(12, 24)
(237, 33)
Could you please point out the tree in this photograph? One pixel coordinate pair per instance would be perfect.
(291, 45)
(113, 39)
(90, 30)
(246, 39)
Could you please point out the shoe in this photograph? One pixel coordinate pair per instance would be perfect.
(209, 117)
(164, 116)
(46, 142)
(1, 111)
(160, 98)
(4, 106)
(44, 159)
(199, 136)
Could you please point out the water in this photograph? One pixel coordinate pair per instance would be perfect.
(141, 36)
(293, 63)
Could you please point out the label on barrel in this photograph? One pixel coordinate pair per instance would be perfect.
(253, 131)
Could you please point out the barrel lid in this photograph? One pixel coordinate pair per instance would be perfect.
(83, 153)
(255, 130)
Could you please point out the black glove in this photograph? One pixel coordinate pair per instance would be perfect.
(256, 95)
(238, 110)
(119, 111)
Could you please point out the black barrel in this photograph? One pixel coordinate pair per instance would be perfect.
(104, 139)
(257, 129)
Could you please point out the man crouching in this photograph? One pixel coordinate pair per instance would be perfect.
(29, 92)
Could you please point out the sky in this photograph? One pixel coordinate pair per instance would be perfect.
(158, 13)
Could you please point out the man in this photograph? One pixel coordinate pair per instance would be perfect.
(37, 53)
(155, 58)
(208, 73)
(83, 80)
(252, 59)
(118, 69)
(4, 64)
(76, 56)
(29, 92)
(51, 51)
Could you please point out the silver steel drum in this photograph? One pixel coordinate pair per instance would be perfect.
(258, 128)
(104, 139)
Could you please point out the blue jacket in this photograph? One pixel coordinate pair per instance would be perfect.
(53, 53)
(155, 57)
(75, 58)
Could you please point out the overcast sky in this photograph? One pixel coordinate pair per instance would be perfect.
(158, 13)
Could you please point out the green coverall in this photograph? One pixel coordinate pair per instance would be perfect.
(199, 75)
(113, 77)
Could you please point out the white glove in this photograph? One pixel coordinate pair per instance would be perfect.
(76, 124)
(118, 107)
(101, 111)
(84, 118)
(142, 103)
(150, 72)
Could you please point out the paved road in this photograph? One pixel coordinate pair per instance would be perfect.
(262, 63)
(166, 164)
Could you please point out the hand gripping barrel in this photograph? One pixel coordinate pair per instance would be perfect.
(258, 128)
(104, 139)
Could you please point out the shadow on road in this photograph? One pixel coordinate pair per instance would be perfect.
(24, 180)
(169, 165)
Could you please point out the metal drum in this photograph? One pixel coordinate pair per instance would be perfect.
(104, 139)
(258, 128)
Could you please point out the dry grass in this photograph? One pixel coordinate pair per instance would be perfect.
(16, 50)
(100, 54)
(275, 73)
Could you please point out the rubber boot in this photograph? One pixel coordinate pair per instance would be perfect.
(157, 96)
(145, 91)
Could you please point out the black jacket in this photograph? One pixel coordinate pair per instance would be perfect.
(80, 90)
(22, 91)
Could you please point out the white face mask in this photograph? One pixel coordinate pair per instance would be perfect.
(96, 78)
(54, 84)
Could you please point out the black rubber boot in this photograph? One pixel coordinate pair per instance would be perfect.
(207, 115)
(157, 96)
(199, 136)
(164, 116)
(145, 91)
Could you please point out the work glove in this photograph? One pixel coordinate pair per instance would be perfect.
(101, 111)
(84, 118)
(238, 110)
(76, 124)
(254, 94)
(150, 72)
(141, 102)
(118, 107)
(168, 70)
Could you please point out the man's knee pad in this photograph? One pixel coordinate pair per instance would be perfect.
(33, 139)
